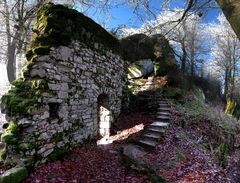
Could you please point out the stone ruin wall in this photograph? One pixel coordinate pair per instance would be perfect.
(78, 89)
(77, 78)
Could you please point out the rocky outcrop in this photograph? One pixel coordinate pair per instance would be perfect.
(141, 68)
(231, 9)
(70, 91)
(138, 47)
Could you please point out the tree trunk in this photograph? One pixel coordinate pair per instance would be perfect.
(11, 62)
(226, 83)
(231, 9)
(184, 57)
(192, 62)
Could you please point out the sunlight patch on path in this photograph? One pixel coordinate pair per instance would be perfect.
(121, 135)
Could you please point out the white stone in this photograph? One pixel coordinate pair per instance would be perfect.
(57, 77)
(62, 95)
(38, 72)
(44, 136)
(65, 53)
(45, 115)
(64, 87)
(54, 86)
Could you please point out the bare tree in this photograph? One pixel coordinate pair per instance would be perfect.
(18, 17)
(227, 55)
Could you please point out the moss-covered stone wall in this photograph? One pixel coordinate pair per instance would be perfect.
(55, 105)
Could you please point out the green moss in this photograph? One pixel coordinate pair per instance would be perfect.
(222, 154)
(29, 55)
(58, 136)
(26, 70)
(14, 175)
(23, 96)
(173, 93)
(28, 146)
(58, 25)
(99, 84)
(9, 138)
(13, 127)
(58, 154)
(41, 50)
(28, 162)
(99, 71)
(39, 84)
(3, 154)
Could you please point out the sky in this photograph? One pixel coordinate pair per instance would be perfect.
(123, 14)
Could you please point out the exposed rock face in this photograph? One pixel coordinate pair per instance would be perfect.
(70, 92)
(138, 47)
(141, 68)
(231, 9)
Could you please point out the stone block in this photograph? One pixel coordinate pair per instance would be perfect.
(54, 86)
(14, 175)
(38, 72)
(64, 87)
(62, 95)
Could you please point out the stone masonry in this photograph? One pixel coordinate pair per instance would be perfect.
(69, 93)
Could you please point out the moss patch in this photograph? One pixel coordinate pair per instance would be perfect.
(23, 96)
(3, 154)
(14, 175)
(58, 154)
(9, 138)
(58, 25)
(13, 127)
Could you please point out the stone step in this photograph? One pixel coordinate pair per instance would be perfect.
(153, 135)
(167, 114)
(163, 105)
(147, 143)
(163, 109)
(163, 117)
(155, 129)
(164, 113)
(159, 124)
(162, 101)
(150, 138)
(165, 120)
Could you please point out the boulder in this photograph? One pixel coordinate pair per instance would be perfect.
(137, 47)
(134, 152)
(147, 67)
(14, 175)
(141, 68)
(145, 48)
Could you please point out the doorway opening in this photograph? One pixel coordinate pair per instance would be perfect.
(104, 116)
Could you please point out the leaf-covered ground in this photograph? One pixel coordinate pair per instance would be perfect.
(96, 164)
(178, 158)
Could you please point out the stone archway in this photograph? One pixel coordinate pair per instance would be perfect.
(104, 116)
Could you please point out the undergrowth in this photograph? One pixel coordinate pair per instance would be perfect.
(217, 129)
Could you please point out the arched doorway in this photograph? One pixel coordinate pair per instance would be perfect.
(104, 116)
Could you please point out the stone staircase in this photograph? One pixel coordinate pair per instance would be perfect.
(154, 132)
